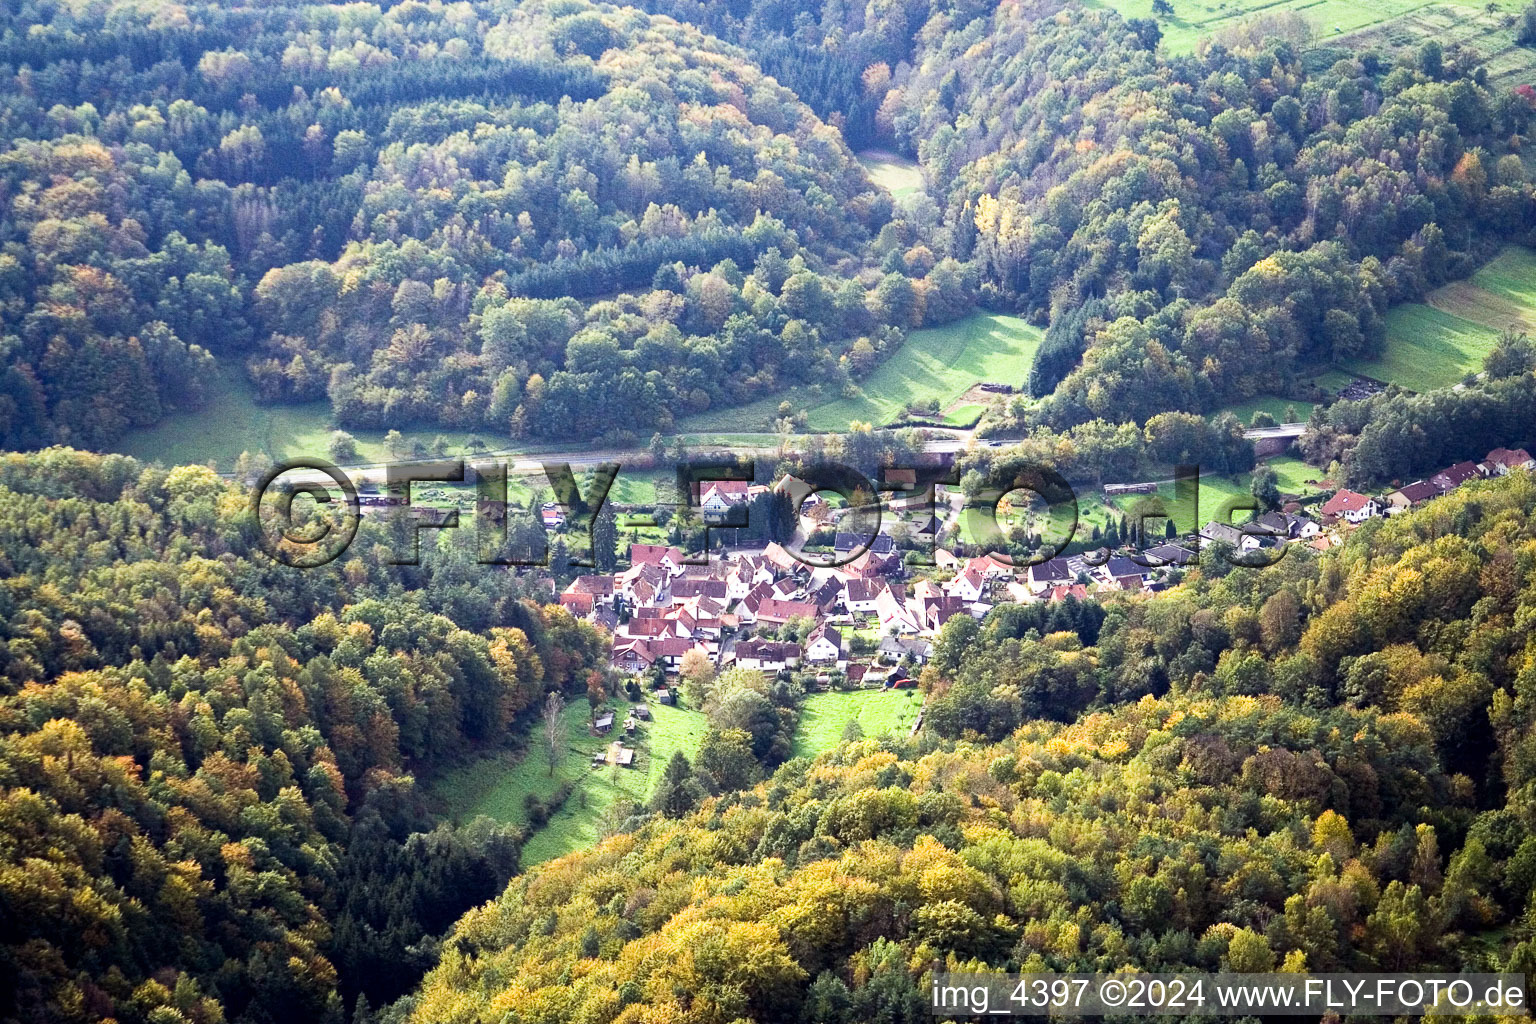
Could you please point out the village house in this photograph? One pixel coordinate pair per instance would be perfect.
(1502, 461)
(1076, 591)
(632, 656)
(1123, 572)
(1169, 554)
(895, 615)
(552, 515)
(860, 596)
(661, 556)
(1351, 506)
(825, 593)
(774, 612)
(1247, 537)
(1052, 573)
(643, 585)
(578, 604)
(685, 588)
(1409, 495)
(896, 648)
(825, 645)
(767, 655)
(847, 543)
(1452, 477)
(720, 496)
(969, 586)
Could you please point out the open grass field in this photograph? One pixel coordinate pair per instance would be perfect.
(934, 363)
(938, 362)
(1214, 494)
(1427, 348)
(824, 716)
(1490, 33)
(896, 174)
(1333, 381)
(496, 785)
(964, 415)
(1274, 405)
(232, 422)
(637, 486)
(1293, 475)
(1352, 23)
(1502, 294)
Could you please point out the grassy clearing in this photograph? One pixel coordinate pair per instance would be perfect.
(1500, 295)
(637, 486)
(934, 363)
(824, 716)
(938, 362)
(1427, 348)
(1293, 475)
(497, 785)
(964, 416)
(232, 422)
(1333, 22)
(1214, 494)
(1272, 404)
(671, 729)
(1333, 381)
(1453, 22)
(896, 174)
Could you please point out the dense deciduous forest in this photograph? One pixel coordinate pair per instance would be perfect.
(207, 759)
(561, 220)
(1323, 766)
(544, 219)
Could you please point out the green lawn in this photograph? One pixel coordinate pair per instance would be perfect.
(1512, 275)
(938, 362)
(934, 363)
(232, 422)
(1272, 404)
(1215, 492)
(638, 486)
(1333, 381)
(1330, 20)
(823, 716)
(495, 785)
(964, 415)
(671, 729)
(897, 175)
(1292, 475)
(1427, 348)
(1501, 295)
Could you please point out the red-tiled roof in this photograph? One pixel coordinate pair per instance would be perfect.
(1345, 501)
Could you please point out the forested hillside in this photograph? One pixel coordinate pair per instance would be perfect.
(1200, 229)
(206, 760)
(543, 219)
(540, 222)
(424, 213)
(1321, 765)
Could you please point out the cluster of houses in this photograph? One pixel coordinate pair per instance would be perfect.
(732, 610)
(1354, 508)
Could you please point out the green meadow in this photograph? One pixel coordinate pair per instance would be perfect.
(497, 784)
(825, 716)
(896, 174)
(934, 363)
(1427, 348)
(1330, 20)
